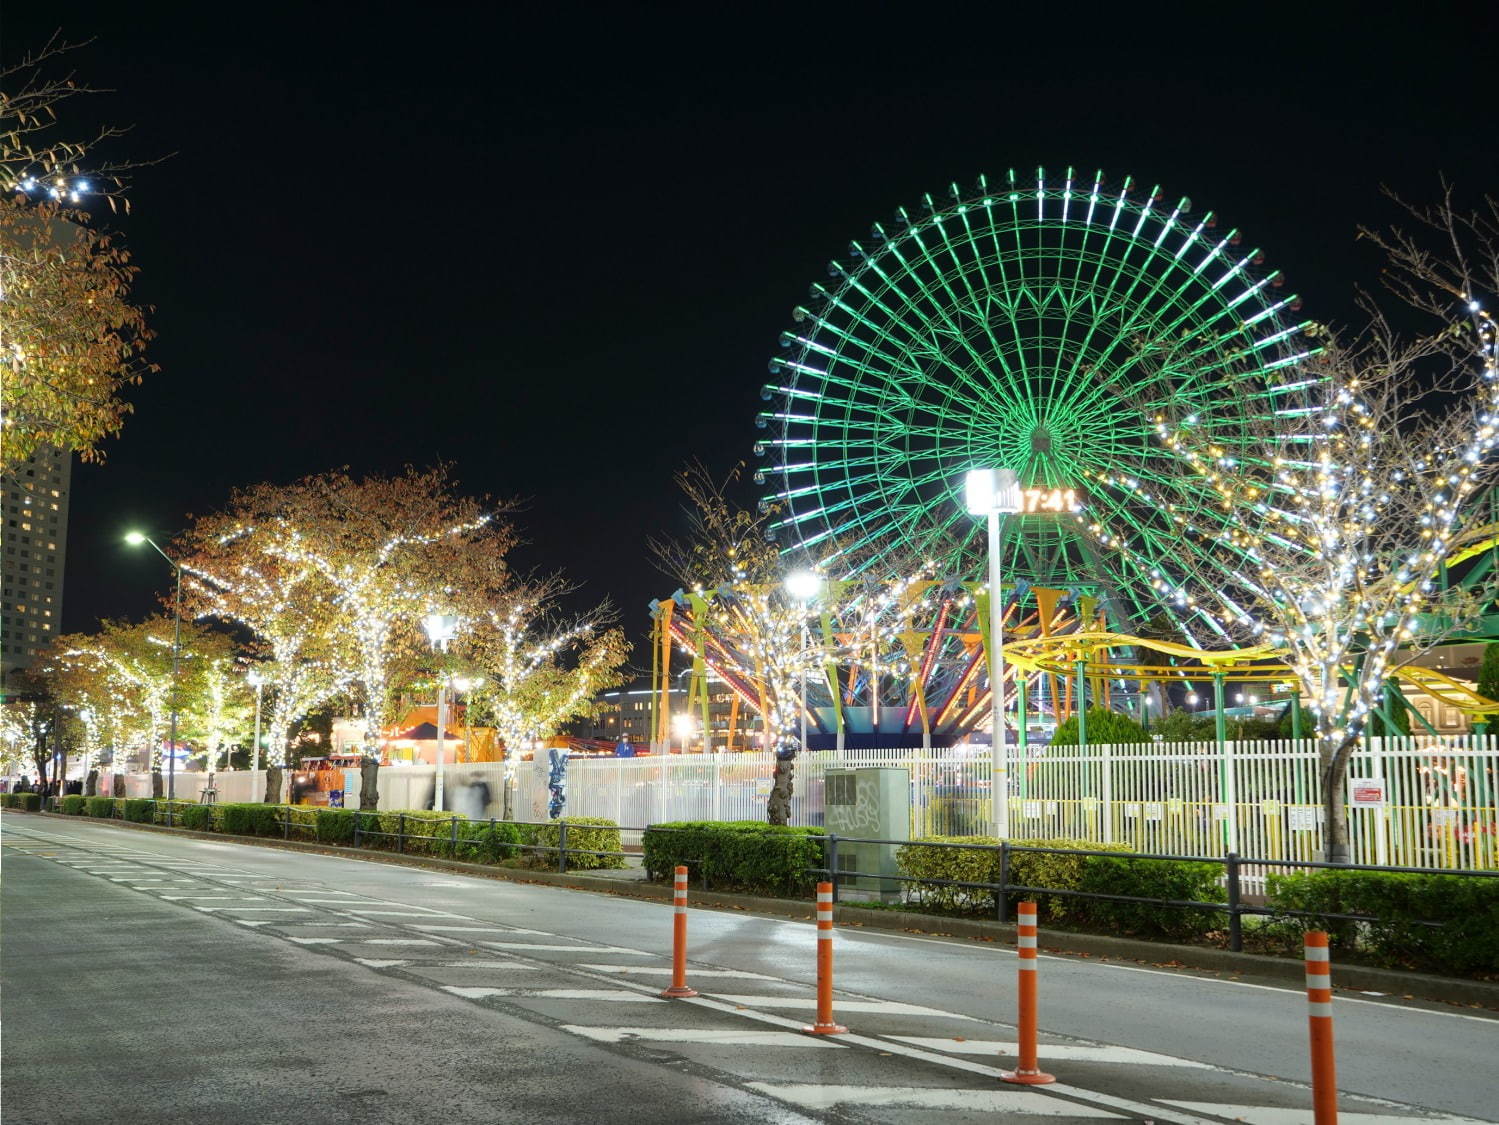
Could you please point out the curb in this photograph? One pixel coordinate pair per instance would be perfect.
(1393, 982)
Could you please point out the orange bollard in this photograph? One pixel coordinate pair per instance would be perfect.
(825, 1024)
(679, 937)
(1319, 1025)
(1029, 1072)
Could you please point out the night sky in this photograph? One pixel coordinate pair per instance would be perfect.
(555, 245)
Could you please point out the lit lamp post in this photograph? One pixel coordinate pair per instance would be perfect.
(993, 493)
(258, 682)
(440, 630)
(682, 723)
(135, 539)
(804, 585)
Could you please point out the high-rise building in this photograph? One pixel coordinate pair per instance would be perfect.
(34, 535)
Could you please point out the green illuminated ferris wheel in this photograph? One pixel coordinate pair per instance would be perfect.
(1030, 325)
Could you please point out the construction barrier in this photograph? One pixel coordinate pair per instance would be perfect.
(825, 1024)
(1029, 1072)
(679, 937)
(1319, 1027)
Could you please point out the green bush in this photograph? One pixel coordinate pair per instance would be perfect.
(1105, 727)
(195, 818)
(140, 810)
(101, 807)
(170, 812)
(335, 826)
(972, 865)
(490, 842)
(29, 802)
(1466, 906)
(1179, 880)
(303, 822)
(73, 805)
(7, 800)
(586, 833)
(741, 855)
(249, 819)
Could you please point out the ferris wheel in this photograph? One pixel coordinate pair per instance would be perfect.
(1031, 325)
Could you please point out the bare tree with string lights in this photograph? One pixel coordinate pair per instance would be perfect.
(1328, 527)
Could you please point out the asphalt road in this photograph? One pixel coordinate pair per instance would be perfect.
(147, 976)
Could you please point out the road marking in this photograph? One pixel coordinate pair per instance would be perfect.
(590, 949)
(379, 963)
(315, 940)
(209, 898)
(491, 928)
(1277, 1115)
(259, 909)
(394, 941)
(1022, 1102)
(251, 922)
(890, 1007)
(519, 966)
(722, 1037)
(399, 913)
(1047, 1051)
(616, 995)
(646, 970)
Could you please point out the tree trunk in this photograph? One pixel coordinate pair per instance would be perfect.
(778, 808)
(1335, 846)
(369, 784)
(91, 784)
(156, 786)
(118, 785)
(273, 786)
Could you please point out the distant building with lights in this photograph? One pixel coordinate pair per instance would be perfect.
(35, 539)
(631, 711)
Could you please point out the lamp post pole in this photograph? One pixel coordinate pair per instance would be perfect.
(440, 628)
(135, 538)
(259, 682)
(993, 493)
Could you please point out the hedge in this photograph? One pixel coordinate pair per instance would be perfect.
(490, 843)
(588, 834)
(72, 805)
(742, 855)
(1182, 880)
(1466, 942)
(140, 810)
(245, 819)
(28, 802)
(100, 807)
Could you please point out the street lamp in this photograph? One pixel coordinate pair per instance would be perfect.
(135, 539)
(258, 682)
(993, 493)
(440, 629)
(683, 725)
(804, 585)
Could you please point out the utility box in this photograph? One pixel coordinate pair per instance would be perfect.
(871, 803)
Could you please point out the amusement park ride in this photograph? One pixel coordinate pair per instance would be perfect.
(1016, 324)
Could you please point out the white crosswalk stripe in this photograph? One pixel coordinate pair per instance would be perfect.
(1019, 1102)
(1073, 1052)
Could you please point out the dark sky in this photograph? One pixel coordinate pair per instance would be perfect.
(555, 244)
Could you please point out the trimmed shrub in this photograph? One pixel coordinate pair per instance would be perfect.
(170, 812)
(196, 818)
(303, 822)
(491, 842)
(73, 805)
(248, 819)
(1466, 941)
(140, 810)
(972, 865)
(7, 800)
(335, 826)
(101, 807)
(29, 802)
(586, 833)
(741, 855)
(425, 831)
(1105, 727)
(1181, 880)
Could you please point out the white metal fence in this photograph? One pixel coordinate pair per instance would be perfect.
(1419, 802)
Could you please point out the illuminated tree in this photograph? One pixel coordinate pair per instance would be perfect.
(215, 696)
(70, 338)
(728, 561)
(540, 669)
(132, 664)
(17, 735)
(1325, 534)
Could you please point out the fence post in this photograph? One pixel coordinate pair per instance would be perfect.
(1319, 1027)
(358, 816)
(830, 856)
(1231, 795)
(1106, 794)
(825, 1024)
(453, 838)
(1235, 920)
(286, 823)
(562, 847)
(1029, 1072)
(401, 833)
(679, 936)
(1001, 906)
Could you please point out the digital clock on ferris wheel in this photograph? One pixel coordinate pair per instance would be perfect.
(1049, 501)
